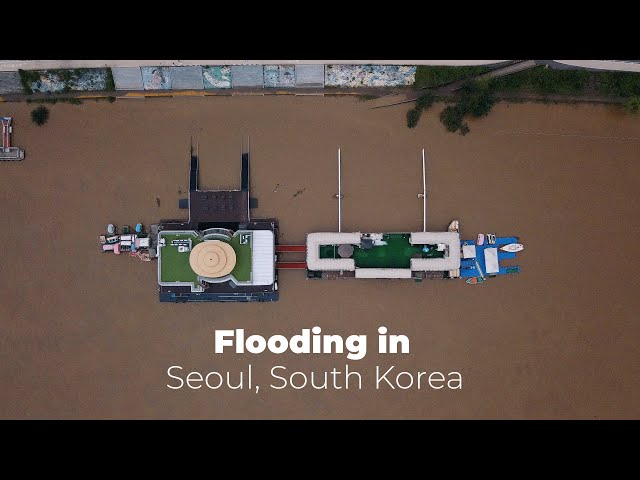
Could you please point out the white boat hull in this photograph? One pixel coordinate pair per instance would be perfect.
(512, 247)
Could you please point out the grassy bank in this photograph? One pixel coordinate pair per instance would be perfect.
(434, 76)
(476, 98)
(544, 81)
(540, 80)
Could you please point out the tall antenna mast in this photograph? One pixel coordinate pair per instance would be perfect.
(339, 192)
(248, 176)
(423, 195)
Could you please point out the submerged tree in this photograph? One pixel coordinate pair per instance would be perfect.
(425, 100)
(40, 115)
(474, 99)
(413, 116)
(422, 103)
(452, 117)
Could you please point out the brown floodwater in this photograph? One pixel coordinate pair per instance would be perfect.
(84, 335)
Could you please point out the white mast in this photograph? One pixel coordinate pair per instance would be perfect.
(423, 195)
(339, 193)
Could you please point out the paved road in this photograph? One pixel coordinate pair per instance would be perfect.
(12, 65)
(621, 65)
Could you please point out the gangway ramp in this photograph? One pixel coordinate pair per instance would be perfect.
(291, 265)
(291, 248)
(282, 249)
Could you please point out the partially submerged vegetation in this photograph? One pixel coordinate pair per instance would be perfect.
(40, 115)
(422, 103)
(476, 97)
(475, 100)
(632, 105)
(413, 116)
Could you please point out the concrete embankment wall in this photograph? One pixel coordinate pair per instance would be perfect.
(210, 77)
(202, 78)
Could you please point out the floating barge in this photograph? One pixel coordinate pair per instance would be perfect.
(408, 255)
(8, 152)
(383, 255)
(219, 254)
(414, 255)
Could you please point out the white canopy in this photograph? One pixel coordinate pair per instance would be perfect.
(314, 240)
(491, 260)
(262, 255)
(383, 273)
(468, 251)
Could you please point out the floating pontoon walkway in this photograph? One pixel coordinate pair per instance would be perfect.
(289, 265)
(385, 255)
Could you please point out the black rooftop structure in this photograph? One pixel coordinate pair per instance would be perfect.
(244, 173)
(218, 208)
(193, 173)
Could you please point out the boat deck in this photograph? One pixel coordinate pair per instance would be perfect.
(175, 265)
(469, 268)
(397, 253)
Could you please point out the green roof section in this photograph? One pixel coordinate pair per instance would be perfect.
(242, 270)
(397, 253)
(175, 267)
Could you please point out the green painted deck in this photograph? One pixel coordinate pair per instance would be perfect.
(175, 265)
(242, 270)
(396, 254)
